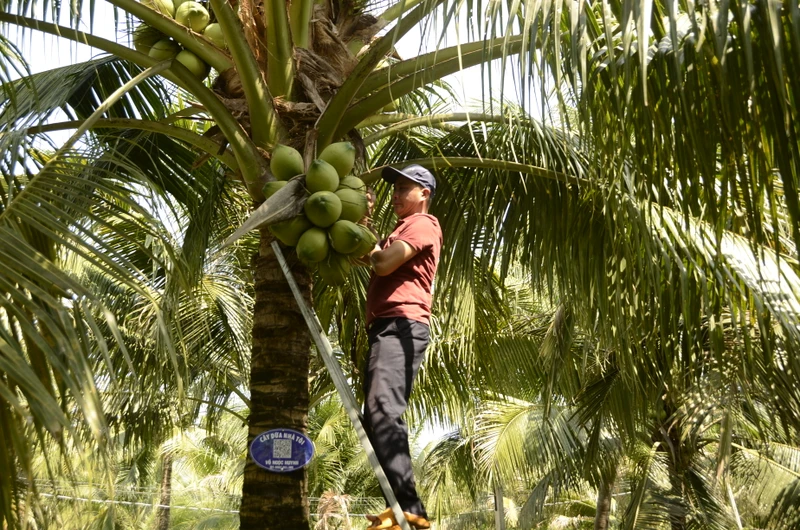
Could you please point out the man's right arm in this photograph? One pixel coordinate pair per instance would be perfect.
(385, 262)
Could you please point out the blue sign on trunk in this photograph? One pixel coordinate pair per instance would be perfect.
(282, 450)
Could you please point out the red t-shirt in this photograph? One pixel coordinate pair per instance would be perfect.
(407, 291)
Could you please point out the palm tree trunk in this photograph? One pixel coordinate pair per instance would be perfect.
(165, 496)
(499, 509)
(604, 500)
(278, 392)
(679, 460)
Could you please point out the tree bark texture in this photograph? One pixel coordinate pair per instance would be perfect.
(604, 499)
(499, 506)
(165, 496)
(278, 392)
(680, 453)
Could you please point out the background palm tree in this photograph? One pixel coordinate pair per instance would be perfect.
(142, 395)
(661, 210)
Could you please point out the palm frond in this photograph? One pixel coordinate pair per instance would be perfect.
(78, 89)
(451, 472)
(643, 512)
(786, 509)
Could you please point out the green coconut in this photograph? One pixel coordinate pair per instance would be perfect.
(345, 236)
(313, 247)
(144, 37)
(164, 49)
(334, 269)
(271, 187)
(178, 3)
(165, 7)
(321, 176)
(341, 155)
(192, 15)
(286, 162)
(213, 32)
(323, 208)
(354, 205)
(353, 183)
(289, 232)
(368, 242)
(195, 64)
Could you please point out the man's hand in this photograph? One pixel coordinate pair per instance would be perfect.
(366, 221)
(365, 260)
(370, 193)
(385, 262)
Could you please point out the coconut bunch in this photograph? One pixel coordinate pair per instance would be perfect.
(327, 236)
(188, 13)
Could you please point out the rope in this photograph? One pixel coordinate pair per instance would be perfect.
(131, 503)
(198, 508)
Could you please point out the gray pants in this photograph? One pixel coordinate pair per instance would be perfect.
(396, 349)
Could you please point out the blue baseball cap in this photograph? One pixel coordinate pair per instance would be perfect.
(414, 172)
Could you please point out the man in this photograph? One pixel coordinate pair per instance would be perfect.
(398, 314)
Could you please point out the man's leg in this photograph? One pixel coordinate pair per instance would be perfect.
(397, 347)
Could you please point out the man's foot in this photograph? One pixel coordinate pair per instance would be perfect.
(386, 521)
(417, 521)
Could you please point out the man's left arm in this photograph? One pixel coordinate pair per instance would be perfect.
(384, 262)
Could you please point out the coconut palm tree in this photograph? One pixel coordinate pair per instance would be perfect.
(666, 193)
(140, 388)
(670, 472)
(209, 325)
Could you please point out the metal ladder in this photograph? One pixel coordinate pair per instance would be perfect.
(340, 382)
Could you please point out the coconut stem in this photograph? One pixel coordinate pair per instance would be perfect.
(300, 13)
(266, 127)
(280, 66)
